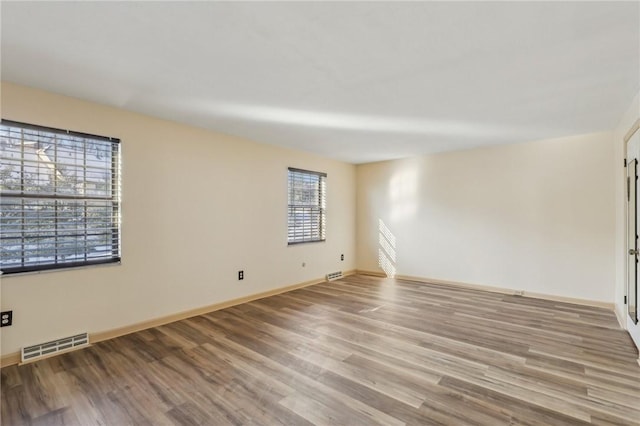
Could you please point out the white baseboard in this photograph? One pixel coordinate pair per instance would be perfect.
(622, 321)
(501, 290)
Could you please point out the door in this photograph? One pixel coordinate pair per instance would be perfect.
(632, 239)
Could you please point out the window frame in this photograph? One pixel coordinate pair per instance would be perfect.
(112, 203)
(321, 208)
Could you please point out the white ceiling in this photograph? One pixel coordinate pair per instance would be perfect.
(359, 82)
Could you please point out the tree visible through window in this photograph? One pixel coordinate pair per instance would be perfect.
(307, 203)
(59, 198)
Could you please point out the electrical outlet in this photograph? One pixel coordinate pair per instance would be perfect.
(342, 257)
(240, 275)
(6, 318)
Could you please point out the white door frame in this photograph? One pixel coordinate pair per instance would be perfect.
(632, 151)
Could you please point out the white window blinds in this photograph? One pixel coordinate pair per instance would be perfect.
(60, 198)
(307, 204)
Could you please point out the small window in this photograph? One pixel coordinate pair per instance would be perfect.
(307, 204)
(60, 198)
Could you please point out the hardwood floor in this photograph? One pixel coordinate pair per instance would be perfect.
(358, 351)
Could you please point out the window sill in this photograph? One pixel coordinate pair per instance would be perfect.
(66, 269)
(295, 243)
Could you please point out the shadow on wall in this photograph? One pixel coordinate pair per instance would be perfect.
(386, 249)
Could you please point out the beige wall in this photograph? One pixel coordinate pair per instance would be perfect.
(536, 216)
(197, 207)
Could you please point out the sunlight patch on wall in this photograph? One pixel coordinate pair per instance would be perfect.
(386, 249)
(386, 246)
(403, 188)
(386, 233)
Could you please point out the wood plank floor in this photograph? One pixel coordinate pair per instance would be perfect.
(358, 351)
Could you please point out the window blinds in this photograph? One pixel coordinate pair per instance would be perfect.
(60, 198)
(307, 204)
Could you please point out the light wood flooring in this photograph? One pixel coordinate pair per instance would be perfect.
(358, 351)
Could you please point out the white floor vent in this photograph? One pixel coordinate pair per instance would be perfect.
(34, 352)
(334, 276)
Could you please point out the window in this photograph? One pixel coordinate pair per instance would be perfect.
(307, 203)
(59, 198)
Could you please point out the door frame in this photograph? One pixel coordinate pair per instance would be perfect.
(631, 249)
(627, 317)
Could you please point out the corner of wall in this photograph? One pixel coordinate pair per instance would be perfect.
(619, 310)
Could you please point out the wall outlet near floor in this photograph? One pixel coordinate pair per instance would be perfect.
(342, 257)
(519, 293)
(240, 275)
(6, 318)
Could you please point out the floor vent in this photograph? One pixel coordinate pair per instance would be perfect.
(34, 352)
(334, 276)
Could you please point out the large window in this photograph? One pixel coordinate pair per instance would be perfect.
(59, 198)
(307, 203)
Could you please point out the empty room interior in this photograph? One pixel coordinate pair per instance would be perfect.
(319, 213)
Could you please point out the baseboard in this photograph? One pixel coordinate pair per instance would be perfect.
(14, 358)
(501, 290)
(621, 320)
(110, 334)
(10, 359)
(576, 301)
(372, 273)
